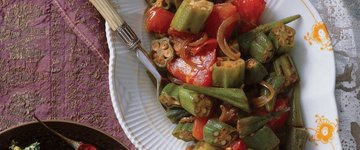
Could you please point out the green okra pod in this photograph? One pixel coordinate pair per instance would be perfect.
(169, 96)
(283, 38)
(197, 104)
(248, 125)
(264, 139)
(297, 139)
(175, 114)
(261, 48)
(276, 81)
(218, 133)
(296, 118)
(183, 131)
(255, 71)
(192, 15)
(228, 73)
(246, 38)
(162, 52)
(233, 96)
(284, 66)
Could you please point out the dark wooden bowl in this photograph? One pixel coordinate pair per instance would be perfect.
(31, 132)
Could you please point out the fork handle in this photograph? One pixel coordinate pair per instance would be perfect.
(109, 13)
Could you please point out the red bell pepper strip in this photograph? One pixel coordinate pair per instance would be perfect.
(237, 145)
(219, 13)
(198, 129)
(250, 11)
(200, 74)
(158, 20)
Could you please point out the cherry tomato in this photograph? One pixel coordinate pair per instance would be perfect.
(158, 20)
(279, 122)
(238, 145)
(197, 73)
(219, 13)
(250, 10)
(198, 129)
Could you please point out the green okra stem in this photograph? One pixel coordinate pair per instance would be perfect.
(297, 139)
(284, 66)
(283, 38)
(183, 131)
(264, 139)
(233, 96)
(197, 104)
(246, 38)
(276, 81)
(228, 73)
(162, 52)
(192, 15)
(296, 118)
(169, 96)
(255, 71)
(261, 48)
(218, 133)
(175, 114)
(248, 125)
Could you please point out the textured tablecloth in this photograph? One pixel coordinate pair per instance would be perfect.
(54, 61)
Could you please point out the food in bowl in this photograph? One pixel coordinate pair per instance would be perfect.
(33, 146)
(232, 83)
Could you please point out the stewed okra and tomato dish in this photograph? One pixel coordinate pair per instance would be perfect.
(232, 83)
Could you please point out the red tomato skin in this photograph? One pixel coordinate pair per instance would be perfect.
(245, 27)
(158, 20)
(179, 34)
(192, 74)
(238, 145)
(279, 122)
(198, 129)
(220, 13)
(206, 46)
(250, 10)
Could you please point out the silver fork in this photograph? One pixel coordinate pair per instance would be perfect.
(128, 36)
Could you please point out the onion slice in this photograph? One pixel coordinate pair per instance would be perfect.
(263, 100)
(225, 48)
(199, 41)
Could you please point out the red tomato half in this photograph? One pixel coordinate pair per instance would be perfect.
(197, 75)
(219, 13)
(158, 20)
(198, 129)
(250, 10)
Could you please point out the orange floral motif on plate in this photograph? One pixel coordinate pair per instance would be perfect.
(319, 35)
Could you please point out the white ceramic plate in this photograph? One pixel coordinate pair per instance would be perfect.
(143, 119)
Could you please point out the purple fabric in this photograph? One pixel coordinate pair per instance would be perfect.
(54, 63)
